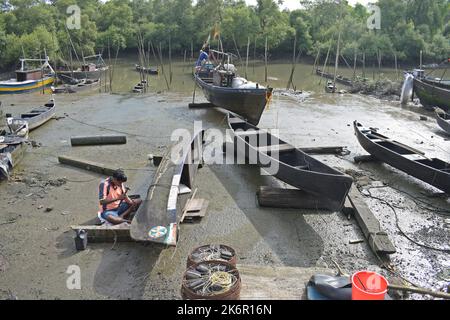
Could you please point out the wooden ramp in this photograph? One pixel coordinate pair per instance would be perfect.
(276, 283)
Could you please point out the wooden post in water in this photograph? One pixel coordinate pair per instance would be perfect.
(162, 65)
(265, 61)
(355, 59)
(246, 60)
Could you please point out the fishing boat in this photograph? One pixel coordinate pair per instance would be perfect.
(432, 92)
(433, 171)
(29, 78)
(158, 216)
(292, 165)
(443, 120)
(34, 119)
(88, 70)
(149, 70)
(82, 85)
(339, 79)
(223, 88)
(12, 150)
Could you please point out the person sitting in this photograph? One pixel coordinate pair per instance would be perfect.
(115, 206)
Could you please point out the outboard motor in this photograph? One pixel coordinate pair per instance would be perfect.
(407, 89)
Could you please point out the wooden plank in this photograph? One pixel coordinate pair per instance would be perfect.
(289, 199)
(308, 150)
(106, 233)
(370, 226)
(86, 165)
(276, 283)
(98, 140)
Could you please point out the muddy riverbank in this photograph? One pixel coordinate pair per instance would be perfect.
(43, 198)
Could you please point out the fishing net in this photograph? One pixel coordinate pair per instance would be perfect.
(211, 279)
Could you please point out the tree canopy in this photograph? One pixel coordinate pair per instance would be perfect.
(35, 27)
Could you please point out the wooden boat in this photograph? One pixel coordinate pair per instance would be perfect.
(339, 79)
(246, 101)
(443, 120)
(291, 165)
(12, 151)
(35, 118)
(432, 93)
(86, 70)
(149, 70)
(433, 171)
(83, 85)
(28, 80)
(157, 218)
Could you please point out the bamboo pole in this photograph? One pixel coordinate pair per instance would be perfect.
(293, 62)
(355, 60)
(192, 49)
(265, 61)
(364, 65)
(316, 61)
(336, 64)
(246, 60)
(396, 65)
(162, 66)
(170, 61)
(326, 61)
(254, 57)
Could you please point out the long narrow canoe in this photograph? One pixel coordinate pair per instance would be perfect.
(433, 171)
(443, 120)
(432, 94)
(158, 216)
(246, 102)
(83, 85)
(35, 118)
(12, 151)
(339, 79)
(290, 164)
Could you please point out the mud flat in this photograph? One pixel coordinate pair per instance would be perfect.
(43, 198)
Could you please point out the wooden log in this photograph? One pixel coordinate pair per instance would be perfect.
(364, 159)
(378, 240)
(289, 199)
(106, 233)
(86, 165)
(201, 105)
(97, 140)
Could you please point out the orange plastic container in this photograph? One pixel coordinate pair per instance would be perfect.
(368, 285)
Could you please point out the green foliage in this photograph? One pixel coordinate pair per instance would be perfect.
(407, 27)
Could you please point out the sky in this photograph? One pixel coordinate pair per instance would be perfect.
(295, 4)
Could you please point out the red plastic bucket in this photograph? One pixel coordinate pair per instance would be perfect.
(368, 285)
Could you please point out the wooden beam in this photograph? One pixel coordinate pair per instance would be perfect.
(106, 233)
(289, 199)
(323, 150)
(98, 140)
(378, 240)
(86, 165)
